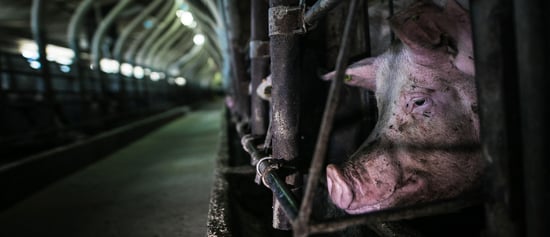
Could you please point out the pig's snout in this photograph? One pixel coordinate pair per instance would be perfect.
(371, 189)
(338, 189)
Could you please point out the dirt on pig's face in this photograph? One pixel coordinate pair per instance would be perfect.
(425, 145)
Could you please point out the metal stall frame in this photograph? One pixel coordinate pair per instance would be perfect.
(494, 78)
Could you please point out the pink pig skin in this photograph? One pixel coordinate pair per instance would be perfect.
(425, 145)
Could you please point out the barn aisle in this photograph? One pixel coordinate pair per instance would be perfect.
(157, 186)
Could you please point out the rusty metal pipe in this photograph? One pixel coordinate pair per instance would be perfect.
(259, 64)
(285, 100)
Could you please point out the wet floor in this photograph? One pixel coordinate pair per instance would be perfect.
(157, 186)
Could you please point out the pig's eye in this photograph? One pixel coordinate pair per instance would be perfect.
(420, 102)
(419, 105)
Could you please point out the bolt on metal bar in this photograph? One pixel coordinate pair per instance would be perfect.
(326, 124)
(319, 9)
(403, 213)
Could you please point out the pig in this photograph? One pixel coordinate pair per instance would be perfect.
(425, 145)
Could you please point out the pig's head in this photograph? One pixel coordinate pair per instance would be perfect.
(425, 145)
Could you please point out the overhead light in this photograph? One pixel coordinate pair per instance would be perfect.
(186, 18)
(199, 39)
(138, 72)
(180, 81)
(35, 64)
(60, 55)
(65, 68)
(108, 65)
(126, 69)
(155, 76)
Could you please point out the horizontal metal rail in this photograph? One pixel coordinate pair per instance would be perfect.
(397, 214)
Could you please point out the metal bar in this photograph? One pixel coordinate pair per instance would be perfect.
(390, 9)
(532, 25)
(403, 213)
(283, 195)
(319, 9)
(241, 79)
(366, 29)
(72, 37)
(259, 67)
(38, 35)
(333, 99)
(99, 34)
(285, 100)
(496, 75)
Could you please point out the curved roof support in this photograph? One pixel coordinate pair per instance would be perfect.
(169, 16)
(212, 8)
(117, 52)
(75, 25)
(166, 51)
(102, 29)
(38, 35)
(185, 58)
(170, 33)
(132, 50)
(184, 45)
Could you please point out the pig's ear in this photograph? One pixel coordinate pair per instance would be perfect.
(361, 74)
(434, 34)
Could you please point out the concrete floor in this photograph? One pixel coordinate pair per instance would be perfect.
(157, 186)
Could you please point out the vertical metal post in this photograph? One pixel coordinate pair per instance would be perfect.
(99, 34)
(285, 100)
(74, 28)
(240, 77)
(496, 77)
(259, 65)
(390, 8)
(38, 35)
(533, 50)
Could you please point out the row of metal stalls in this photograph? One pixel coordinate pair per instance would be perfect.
(73, 69)
(283, 143)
